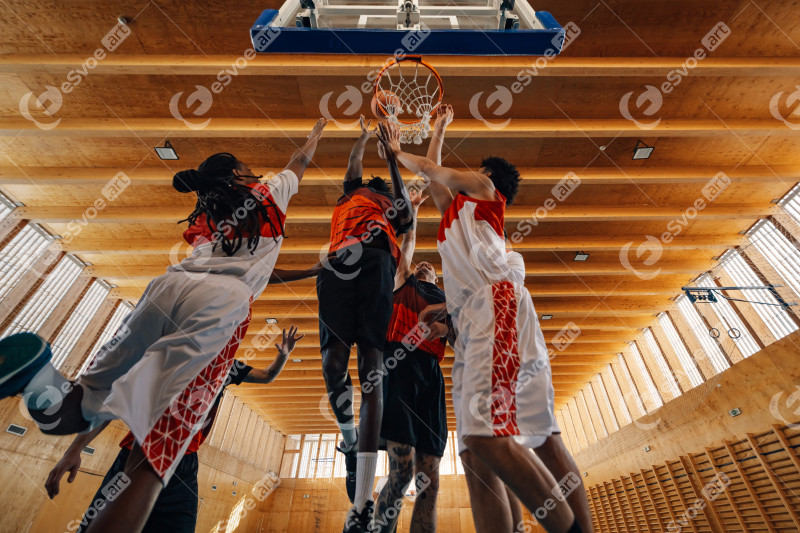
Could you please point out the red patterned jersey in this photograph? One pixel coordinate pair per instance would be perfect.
(414, 296)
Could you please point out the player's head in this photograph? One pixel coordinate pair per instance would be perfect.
(504, 175)
(424, 271)
(379, 184)
(221, 184)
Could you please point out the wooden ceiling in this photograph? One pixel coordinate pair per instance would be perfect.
(568, 119)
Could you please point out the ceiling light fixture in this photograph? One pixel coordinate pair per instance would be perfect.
(581, 256)
(166, 151)
(642, 151)
(271, 320)
(547, 317)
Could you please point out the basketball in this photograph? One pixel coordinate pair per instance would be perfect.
(385, 103)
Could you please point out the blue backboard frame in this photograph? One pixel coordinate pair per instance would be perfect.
(271, 39)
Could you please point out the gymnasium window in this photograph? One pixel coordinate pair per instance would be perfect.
(580, 427)
(730, 320)
(661, 362)
(78, 321)
(599, 388)
(44, 301)
(570, 430)
(594, 412)
(641, 370)
(775, 317)
(21, 252)
(318, 458)
(701, 332)
(791, 203)
(588, 422)
(6, 206)
(779, 252)
(615, 393)
(308, 456)
(625, 377)
(113, 324)
(679, 347)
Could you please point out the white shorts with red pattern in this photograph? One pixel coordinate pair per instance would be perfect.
(502, 384)
(167, 362)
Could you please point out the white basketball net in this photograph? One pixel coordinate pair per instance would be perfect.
(418, 92)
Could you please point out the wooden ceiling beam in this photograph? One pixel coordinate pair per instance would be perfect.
(312, 353)
(315, 365)
(540, 269)
(475, 129)
(316, 177)
(298, 65)
(317, 214)
(308, 245)
(537, 290)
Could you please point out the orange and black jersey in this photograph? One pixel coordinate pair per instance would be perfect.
(411, 298)
(366, 215)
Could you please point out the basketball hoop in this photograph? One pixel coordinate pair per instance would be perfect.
(407, 92)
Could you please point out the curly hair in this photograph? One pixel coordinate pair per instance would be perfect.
(504, 175)
(219, 198)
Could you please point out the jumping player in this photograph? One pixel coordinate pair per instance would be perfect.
(414, 407)
(175, 510)
(182, 334)
(486, 490)
(355, 305)
(499, 343)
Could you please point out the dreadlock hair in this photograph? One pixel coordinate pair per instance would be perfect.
(232, 210)
(504, 175)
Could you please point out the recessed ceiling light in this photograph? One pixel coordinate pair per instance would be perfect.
(547, 317)
(581, 256)
(642, 151)
(271, 320)
(297, 360)
(166, 151)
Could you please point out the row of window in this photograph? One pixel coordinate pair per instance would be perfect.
(660, 365)
(315, 456)
(23, 254)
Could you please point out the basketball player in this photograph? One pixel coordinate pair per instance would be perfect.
(414, 407)
(183, 334)
(175, 510)
(485, 489)
(355, 305)
(498, 342)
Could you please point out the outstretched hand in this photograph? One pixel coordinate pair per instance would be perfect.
(416, 198)
(389, 139)
(365, 126)
(444, 117)
(288, 341)
(316, 131)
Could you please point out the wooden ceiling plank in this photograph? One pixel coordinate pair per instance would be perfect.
(475, 129)
(450, 66)
(315, 177)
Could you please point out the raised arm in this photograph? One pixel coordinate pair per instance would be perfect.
(268, 375)
(303, 155)
(471, 182)
(71, 460)
(442, 196)
(409, 242)
(354, 167)
(402, 204)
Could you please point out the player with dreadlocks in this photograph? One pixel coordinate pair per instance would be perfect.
(166, 364)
